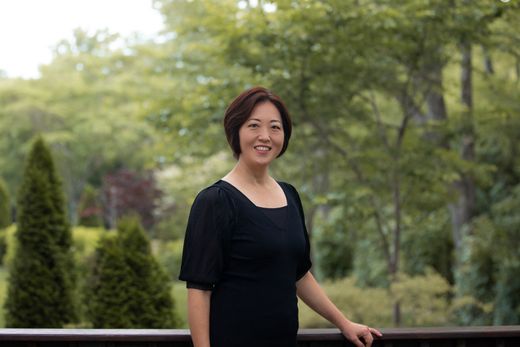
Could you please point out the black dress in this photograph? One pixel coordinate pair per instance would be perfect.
(250, 258)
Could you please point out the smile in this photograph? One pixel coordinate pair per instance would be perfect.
(262, 148)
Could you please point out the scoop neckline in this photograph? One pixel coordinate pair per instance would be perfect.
(252, 203)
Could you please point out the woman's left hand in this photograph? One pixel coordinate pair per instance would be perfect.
(360, 335)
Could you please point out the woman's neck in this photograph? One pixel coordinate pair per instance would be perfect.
(245, 174)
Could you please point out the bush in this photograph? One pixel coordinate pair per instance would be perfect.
(128, 288)
(85, 241)
(108, 297)
(424, 301)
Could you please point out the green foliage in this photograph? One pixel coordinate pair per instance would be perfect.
(3, 245)
(169, 255)
(108, 298)
(491, 264)
(429, 245)
(40, 290)
(373, 161)
(128, 288)
(506, 216)
(5, 206)
(85, 242)
(335, 245)
(11, 245)
(424, 301)
(3, 290)
(5, 218)
(101, 96)
(89, 208)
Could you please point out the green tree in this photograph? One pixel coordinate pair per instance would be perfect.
(103, 94)
(369, 85)
(40, 292)
(107, 296)
(128, 281)
(151, 304)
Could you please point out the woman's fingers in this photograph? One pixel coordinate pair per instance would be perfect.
(362, 335)
(355, 340)
(367, 337)
(375, 332)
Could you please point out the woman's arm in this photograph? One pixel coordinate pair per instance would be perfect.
(198, 316)
(313, 295)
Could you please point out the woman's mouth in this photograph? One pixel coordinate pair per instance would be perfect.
(262, 148)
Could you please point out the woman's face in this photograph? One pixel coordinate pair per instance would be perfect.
(261, 136)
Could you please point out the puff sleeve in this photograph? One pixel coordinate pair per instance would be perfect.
(207, 237)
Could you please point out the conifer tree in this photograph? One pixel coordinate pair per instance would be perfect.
(138, 281)
(107, 294)
(151, 305)
(40, 292)
(5, 215)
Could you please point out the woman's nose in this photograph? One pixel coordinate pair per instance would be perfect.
(264, 134)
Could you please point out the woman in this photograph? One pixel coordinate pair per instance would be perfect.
(246, 250)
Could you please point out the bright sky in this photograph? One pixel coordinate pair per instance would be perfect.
(29, 28)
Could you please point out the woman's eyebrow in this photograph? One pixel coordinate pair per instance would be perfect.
(258, 120)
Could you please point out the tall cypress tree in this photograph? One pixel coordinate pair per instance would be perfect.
(40, 292)
(138, 281)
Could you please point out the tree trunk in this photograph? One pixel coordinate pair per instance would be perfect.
(436, 106)
(463, 208)
(435, 97)
(396, 316)
(488, 62)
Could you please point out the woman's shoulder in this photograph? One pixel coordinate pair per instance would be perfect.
(215, 194)
(288, 187)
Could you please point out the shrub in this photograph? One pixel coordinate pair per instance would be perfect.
(126, 271)
(424, 301)
(40, 292)
(108, 298)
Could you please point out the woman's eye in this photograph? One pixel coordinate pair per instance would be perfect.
(254, 125)
(276, 127)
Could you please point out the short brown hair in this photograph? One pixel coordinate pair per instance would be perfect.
(241, 108)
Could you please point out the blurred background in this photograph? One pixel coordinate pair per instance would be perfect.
(405, 145)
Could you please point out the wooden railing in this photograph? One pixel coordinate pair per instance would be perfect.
(496, 336)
